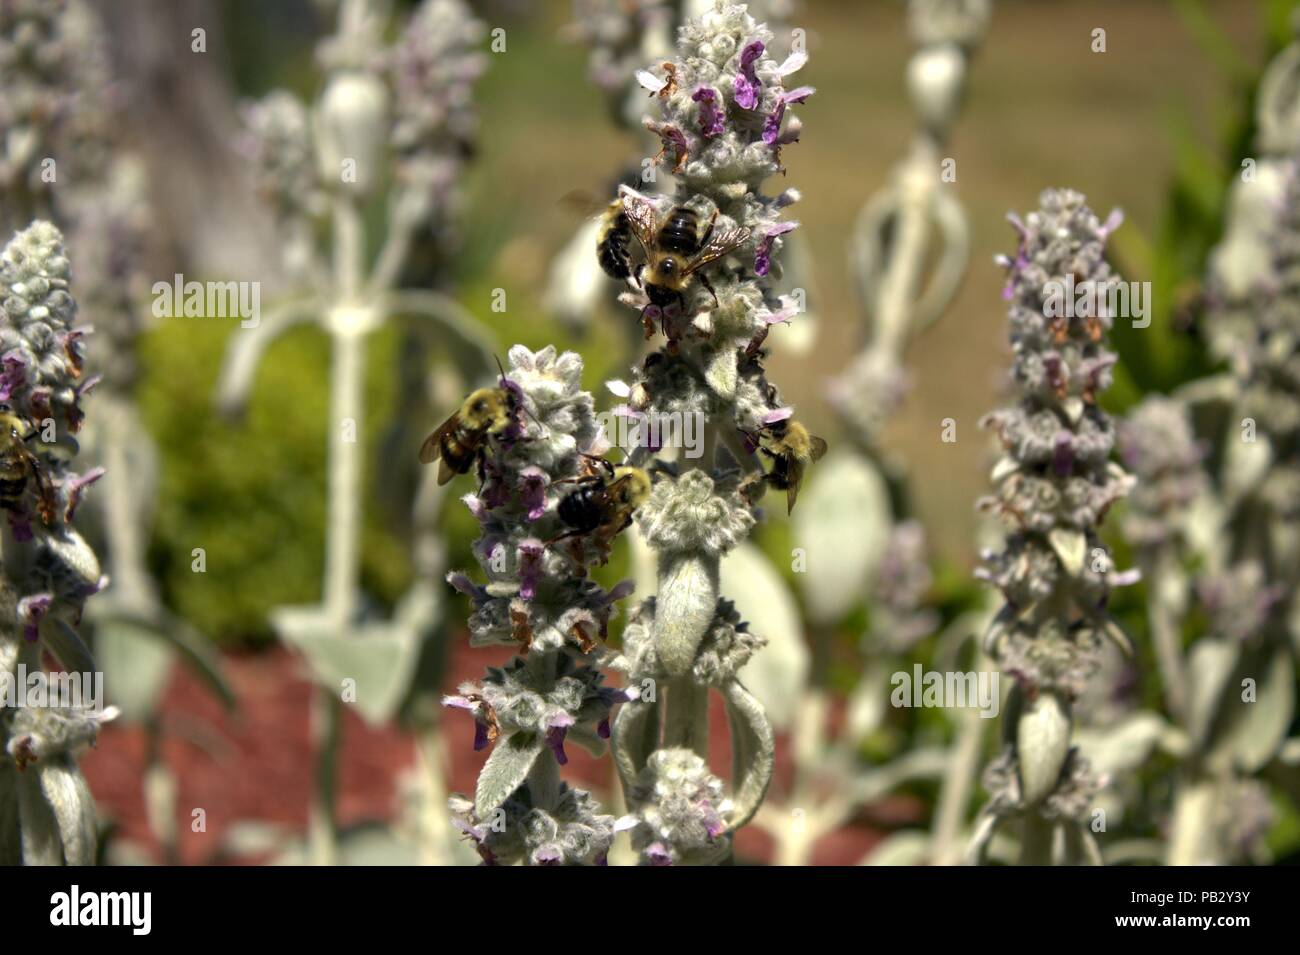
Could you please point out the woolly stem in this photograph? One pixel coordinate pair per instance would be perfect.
(686, 716)
(1036, 836)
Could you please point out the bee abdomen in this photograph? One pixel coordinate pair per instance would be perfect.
(611, 250)
(456, 453)
(680, 232)
(579, 510)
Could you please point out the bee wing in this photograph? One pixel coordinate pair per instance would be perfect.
(583, 204)
(431, 448)
(720, 244)
(445, 473)
(795, 478)
(642, 217)
(818, 447)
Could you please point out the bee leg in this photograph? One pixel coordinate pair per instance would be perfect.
(709, 285)
(708, 232)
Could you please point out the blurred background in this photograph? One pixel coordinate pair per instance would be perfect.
(1156, 125)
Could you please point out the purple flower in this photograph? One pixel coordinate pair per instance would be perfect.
(555, 736)
(30, 611)
(465, 585)
(13, 376)
(602, 728)
(772, 125)
(530, 553)
(710, 118)
(763, 254)
(746, 85)
(75, 486)
(548, 855)
(1063, 453)
(657, 854)
(533, 494)
(485, 726)
(21, 525)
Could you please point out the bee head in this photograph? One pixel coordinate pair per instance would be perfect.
(12, 426)
(487, 408)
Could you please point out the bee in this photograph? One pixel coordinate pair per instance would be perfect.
(677, 249)
(603, 502)
(19, 464)
(792, 448)
(612, 240)
(458, 442)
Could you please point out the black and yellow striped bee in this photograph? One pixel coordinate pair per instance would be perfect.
(792, 449)
(458, 442)
(677, 249)
(603, 502)
(19, 465)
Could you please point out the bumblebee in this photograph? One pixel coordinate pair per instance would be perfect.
(677, 249)
(603, 502)
(792, 448)
(458, 441)
(19, 464)
(612, 240)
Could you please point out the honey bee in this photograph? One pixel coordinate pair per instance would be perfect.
(603, 502)
(458, 442)
(19, 464)
(677, 249)
(792, 448)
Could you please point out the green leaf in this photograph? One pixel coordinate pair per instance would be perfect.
(136, 665)
(842, 545)
(375, 661)
(1071, 548)
(1209, 665)
(1251, 733)
(505, 770)
(778, 672)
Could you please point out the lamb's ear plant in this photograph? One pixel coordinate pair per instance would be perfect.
(539, 599)
(1238, 678)
(627, 45)
(1055, 482)
(722, 127)
(63, 159)
(47, 570)
(388, 135)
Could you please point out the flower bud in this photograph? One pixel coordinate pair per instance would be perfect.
(351, 128)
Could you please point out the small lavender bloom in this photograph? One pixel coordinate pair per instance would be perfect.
(746, 84)
(763, 254)
(533, 491)
(1056, 483)
(772, 124)
(711, 118)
